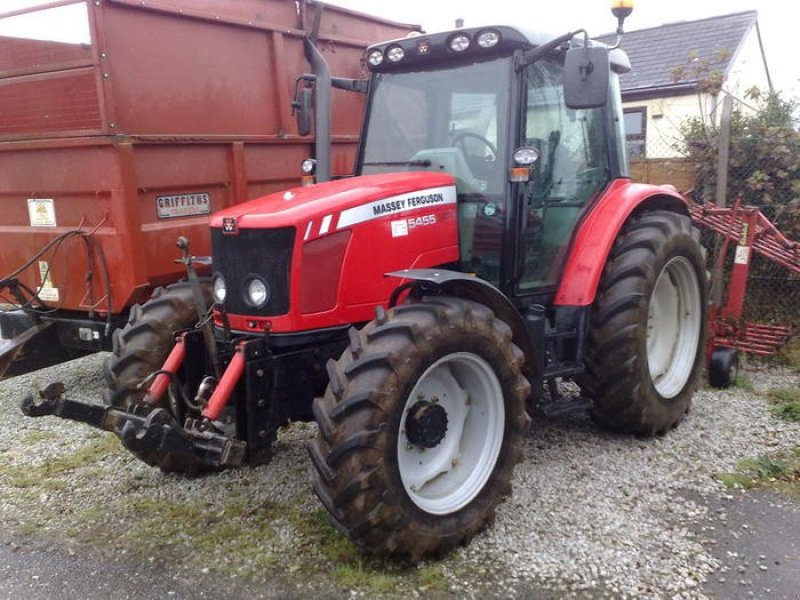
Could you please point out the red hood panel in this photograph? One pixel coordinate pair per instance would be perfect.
(302, 204)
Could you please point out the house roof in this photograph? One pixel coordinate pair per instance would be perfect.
(656, 51)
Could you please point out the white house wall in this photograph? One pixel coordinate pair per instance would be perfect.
(665, 115)
(664, 118)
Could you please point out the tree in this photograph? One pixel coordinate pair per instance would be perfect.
(764, 164)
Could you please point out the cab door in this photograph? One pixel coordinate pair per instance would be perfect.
(572, 170)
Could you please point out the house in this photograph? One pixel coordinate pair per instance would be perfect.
(677, 71)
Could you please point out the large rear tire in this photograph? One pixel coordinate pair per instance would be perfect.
(420, 427)
(142, 346)
(645, 349)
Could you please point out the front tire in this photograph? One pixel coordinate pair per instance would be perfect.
(420, 427)
(648, 324)
(141, 347)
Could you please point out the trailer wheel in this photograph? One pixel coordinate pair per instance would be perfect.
(645, 349)
(142, 346)
(723, 368)
(420, 427)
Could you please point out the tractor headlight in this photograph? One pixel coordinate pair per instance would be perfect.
(459, 43)
(219, 289)
(375, 58)
(395, 54)
(256, 292)
(308, 166)
(488, 39)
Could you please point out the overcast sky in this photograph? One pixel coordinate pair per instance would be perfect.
(778, 20)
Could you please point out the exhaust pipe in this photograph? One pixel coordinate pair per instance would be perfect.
(322, 107)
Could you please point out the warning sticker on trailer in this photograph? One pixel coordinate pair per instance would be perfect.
(742, 255)
(183, 205)
(42, 212)
(46, 291)
(395, 204)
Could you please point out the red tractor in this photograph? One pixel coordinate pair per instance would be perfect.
(490, 243)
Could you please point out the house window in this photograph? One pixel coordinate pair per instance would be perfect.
(635, 131)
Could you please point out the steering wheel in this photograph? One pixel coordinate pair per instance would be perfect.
(481, 166)
(458, 141)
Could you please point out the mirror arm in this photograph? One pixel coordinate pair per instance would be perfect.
(350, 85)
(535, 54)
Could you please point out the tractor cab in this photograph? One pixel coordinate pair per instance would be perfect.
(487, 106)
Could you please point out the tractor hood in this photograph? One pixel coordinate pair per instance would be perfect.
(336, 204)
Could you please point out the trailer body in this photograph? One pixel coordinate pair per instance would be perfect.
(146, 119)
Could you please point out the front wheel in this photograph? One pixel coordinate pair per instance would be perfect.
(648, 323)
(419, 429)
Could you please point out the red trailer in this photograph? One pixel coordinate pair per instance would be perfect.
(134, 126)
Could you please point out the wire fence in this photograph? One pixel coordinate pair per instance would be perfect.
(763, 170)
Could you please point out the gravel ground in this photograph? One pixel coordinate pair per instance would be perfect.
(593, 514)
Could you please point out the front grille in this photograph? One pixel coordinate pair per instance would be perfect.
(263, 252)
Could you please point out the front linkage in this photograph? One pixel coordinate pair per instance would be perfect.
(230, 421)
(151, 434)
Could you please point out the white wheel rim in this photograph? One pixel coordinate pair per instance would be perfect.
(674, 322)
(446, 478)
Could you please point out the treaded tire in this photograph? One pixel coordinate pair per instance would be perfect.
(723, 368)
(356, 454)
(142, 346)
(618, 379)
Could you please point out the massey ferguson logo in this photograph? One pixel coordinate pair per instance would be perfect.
(229, 226)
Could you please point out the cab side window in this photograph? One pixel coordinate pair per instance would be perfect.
(572, 169)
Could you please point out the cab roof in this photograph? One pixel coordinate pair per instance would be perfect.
(432, 48)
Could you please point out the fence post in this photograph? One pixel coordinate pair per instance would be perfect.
(723, 154)
(724, 150)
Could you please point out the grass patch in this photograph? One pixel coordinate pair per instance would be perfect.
(743, 383)
(242, 539)
(785, 403)
(34, 437)
(356, 570)
(46, 474)
(779, 472)
(358, 576)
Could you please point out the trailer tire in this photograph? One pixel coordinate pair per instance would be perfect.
(645, 348)
(378, 472)
(142, 346)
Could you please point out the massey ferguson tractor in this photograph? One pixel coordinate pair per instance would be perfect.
(489, 244)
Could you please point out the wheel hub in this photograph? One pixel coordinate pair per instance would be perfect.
(426, 424)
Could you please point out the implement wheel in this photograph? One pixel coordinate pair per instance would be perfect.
(420, 427)
(645, 349)
(724, 367)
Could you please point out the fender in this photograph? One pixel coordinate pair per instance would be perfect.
(601, 227)
(461, 285)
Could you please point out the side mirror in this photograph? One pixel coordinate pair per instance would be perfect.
(586, 77)
(303, 109)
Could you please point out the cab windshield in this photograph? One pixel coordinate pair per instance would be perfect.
(450, 120)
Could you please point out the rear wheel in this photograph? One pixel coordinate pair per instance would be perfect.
(420, 427)
(644, 354)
